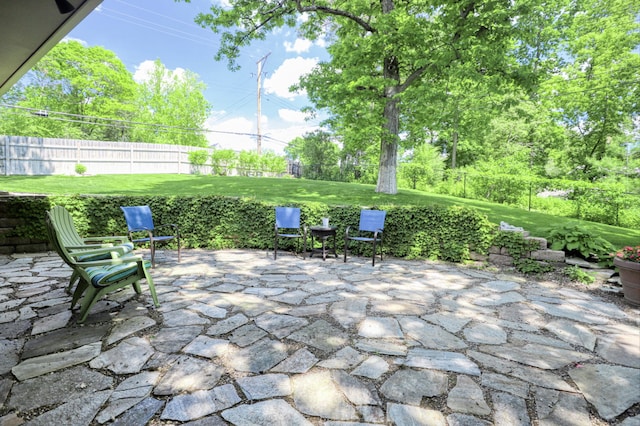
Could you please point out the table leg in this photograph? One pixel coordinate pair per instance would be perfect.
(334, 246)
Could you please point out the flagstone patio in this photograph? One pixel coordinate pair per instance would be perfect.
(242, 339)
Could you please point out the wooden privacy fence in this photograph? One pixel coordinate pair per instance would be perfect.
(24, 155)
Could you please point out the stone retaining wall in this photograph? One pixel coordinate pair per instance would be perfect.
(9, 221)
(500, 255)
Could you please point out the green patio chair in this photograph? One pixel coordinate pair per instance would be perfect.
(100, 277)
(86, 249)
(72, 239)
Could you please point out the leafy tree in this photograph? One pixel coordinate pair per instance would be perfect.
(248, 163)
(524, 134)
(272, 163)
(84, 83)
(223, 161)
(595, 95)
(318, 153)
(294, 148)
(87, 93)
(379, 51)
(174, 103)
(198, 159)
(455, 119)
(423, 166)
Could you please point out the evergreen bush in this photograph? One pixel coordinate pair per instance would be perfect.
(216, 222)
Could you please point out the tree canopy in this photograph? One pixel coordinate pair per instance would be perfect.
(459, 72)
(379, 51)
(87, 93)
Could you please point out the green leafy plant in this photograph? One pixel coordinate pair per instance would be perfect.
(530, 266)
(198, 159)
(580, 242)
(223, 161)
(519, 248)
(81, 169)
(514, 243)
(575, 273)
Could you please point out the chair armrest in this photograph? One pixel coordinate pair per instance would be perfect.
(85, 252)
(166, 225)
(148, 232)
(140, 230)
(346, 232)
(109, 262)
(107, 239)
(89, 246)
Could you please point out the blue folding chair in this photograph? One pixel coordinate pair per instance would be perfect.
(139, 219)
(369, 231)
(288, 226)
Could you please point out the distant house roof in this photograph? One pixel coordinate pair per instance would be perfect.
(30, 28)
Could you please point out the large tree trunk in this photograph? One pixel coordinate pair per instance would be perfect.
(387, 182)
(454, 149)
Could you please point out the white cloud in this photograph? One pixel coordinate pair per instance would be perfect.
(287, 134)
(322, 42)
(226, 4)
(145, 68)
(82, 42)
(234, 133)
(292, 116)
(301, 45)
(239, 133)
(288, 73)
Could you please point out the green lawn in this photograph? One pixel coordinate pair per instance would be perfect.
(292, 191)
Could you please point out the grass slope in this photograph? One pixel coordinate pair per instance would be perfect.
(292, 191)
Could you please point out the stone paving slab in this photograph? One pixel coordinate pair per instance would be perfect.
(242, 339)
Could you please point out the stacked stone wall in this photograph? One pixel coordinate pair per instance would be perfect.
(9, 243)
(501, 256)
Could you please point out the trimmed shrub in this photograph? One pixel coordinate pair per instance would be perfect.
(215, 222)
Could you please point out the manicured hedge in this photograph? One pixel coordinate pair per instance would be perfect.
(216, 222)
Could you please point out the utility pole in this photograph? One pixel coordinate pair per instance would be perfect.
(260, 63)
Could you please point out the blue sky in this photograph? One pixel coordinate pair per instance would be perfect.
(141, 31)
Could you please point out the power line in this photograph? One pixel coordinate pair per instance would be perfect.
(167, 30)
(149, 11)
(116, 123)
(126, 124)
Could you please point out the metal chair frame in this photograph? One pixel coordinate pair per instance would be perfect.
(288, 219)
(370, 230)
(139, 219)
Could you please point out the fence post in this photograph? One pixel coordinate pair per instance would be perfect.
(464, 185)
(77, 151)
(6, 155)
(131, 160)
